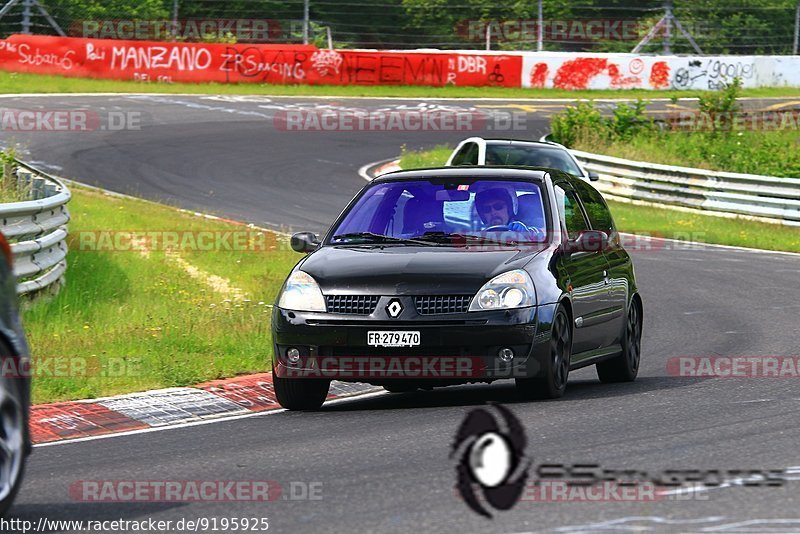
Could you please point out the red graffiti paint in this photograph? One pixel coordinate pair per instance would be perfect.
(255, 63)
(577, 73)
(618, 81)
(659, 75)
(539, 75)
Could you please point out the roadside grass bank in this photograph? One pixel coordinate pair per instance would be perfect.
(419, 159)
(769, 153)
(12, 82)
(9, 190)
(720, 136)
(664, 222)
(154, 298)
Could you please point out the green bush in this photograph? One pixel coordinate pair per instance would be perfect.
(629, 133)
(721, 103)
(575, 123)
(585, 124)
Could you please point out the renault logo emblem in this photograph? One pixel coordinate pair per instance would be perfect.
(394, 308)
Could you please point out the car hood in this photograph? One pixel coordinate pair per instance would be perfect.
(409, 270)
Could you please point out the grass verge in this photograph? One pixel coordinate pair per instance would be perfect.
(134, 317)
(665, 222)
(745, 152)
(720, 136)
(11, 82)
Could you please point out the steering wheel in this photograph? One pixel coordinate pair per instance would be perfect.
(497, 228)
(539, 233)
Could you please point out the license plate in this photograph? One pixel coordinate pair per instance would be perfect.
(393, 338)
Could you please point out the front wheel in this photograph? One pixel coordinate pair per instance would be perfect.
(13, 423)
(300, 393)
(625, 367)
(552, 381)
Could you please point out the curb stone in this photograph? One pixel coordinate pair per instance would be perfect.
(164, 407)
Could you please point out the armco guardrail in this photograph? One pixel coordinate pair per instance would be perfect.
(768, 198)
(36, 229)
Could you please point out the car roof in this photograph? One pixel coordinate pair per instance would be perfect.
(465, 171)
(498, 141)
(511, 140)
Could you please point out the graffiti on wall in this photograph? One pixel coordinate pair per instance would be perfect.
(713, 73)
(592, 72)
(188, 62)
(303, 64)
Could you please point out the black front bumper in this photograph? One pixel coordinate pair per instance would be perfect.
(454, 348)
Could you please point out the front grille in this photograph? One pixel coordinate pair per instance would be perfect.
(435, 305)
(352, 304)
(378, 352)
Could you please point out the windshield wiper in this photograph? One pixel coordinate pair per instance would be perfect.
(380, 238)
(458, 238)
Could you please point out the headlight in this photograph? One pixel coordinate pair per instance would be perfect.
(513, 289)
(301, 293)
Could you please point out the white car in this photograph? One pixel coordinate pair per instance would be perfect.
(480, 151)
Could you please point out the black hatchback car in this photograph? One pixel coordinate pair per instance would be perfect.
(471, 274)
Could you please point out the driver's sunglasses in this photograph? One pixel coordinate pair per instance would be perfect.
(495, 206)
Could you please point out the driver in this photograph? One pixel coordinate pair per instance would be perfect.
(495, 208)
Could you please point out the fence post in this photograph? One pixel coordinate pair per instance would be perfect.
(539, 29)
(796, 28)
(26, 17)
(174, 20)
(306, 22)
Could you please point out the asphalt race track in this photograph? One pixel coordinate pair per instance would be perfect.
(383, 461)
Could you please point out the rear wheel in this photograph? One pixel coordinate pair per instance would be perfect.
(552, 381)
(625, 367)
(300, 393)
(12, 436)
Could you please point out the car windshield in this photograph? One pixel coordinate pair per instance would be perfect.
(531, 156)
(427, 211)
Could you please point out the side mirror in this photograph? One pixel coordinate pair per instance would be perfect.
(593, 176)
(588, 241)
(304, 242)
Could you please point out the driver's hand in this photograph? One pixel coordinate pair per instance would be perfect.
(517, 226)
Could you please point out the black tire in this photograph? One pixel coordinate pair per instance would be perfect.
(625, 367)
(552, 382)
(300, 393)
(13, 435)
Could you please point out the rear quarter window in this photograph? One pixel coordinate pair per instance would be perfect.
(596, 207)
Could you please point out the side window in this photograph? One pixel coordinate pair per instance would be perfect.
(596, 208)
(459, 158)
(570, 210)
(471, 156)
(468, 155)
(496, 155)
